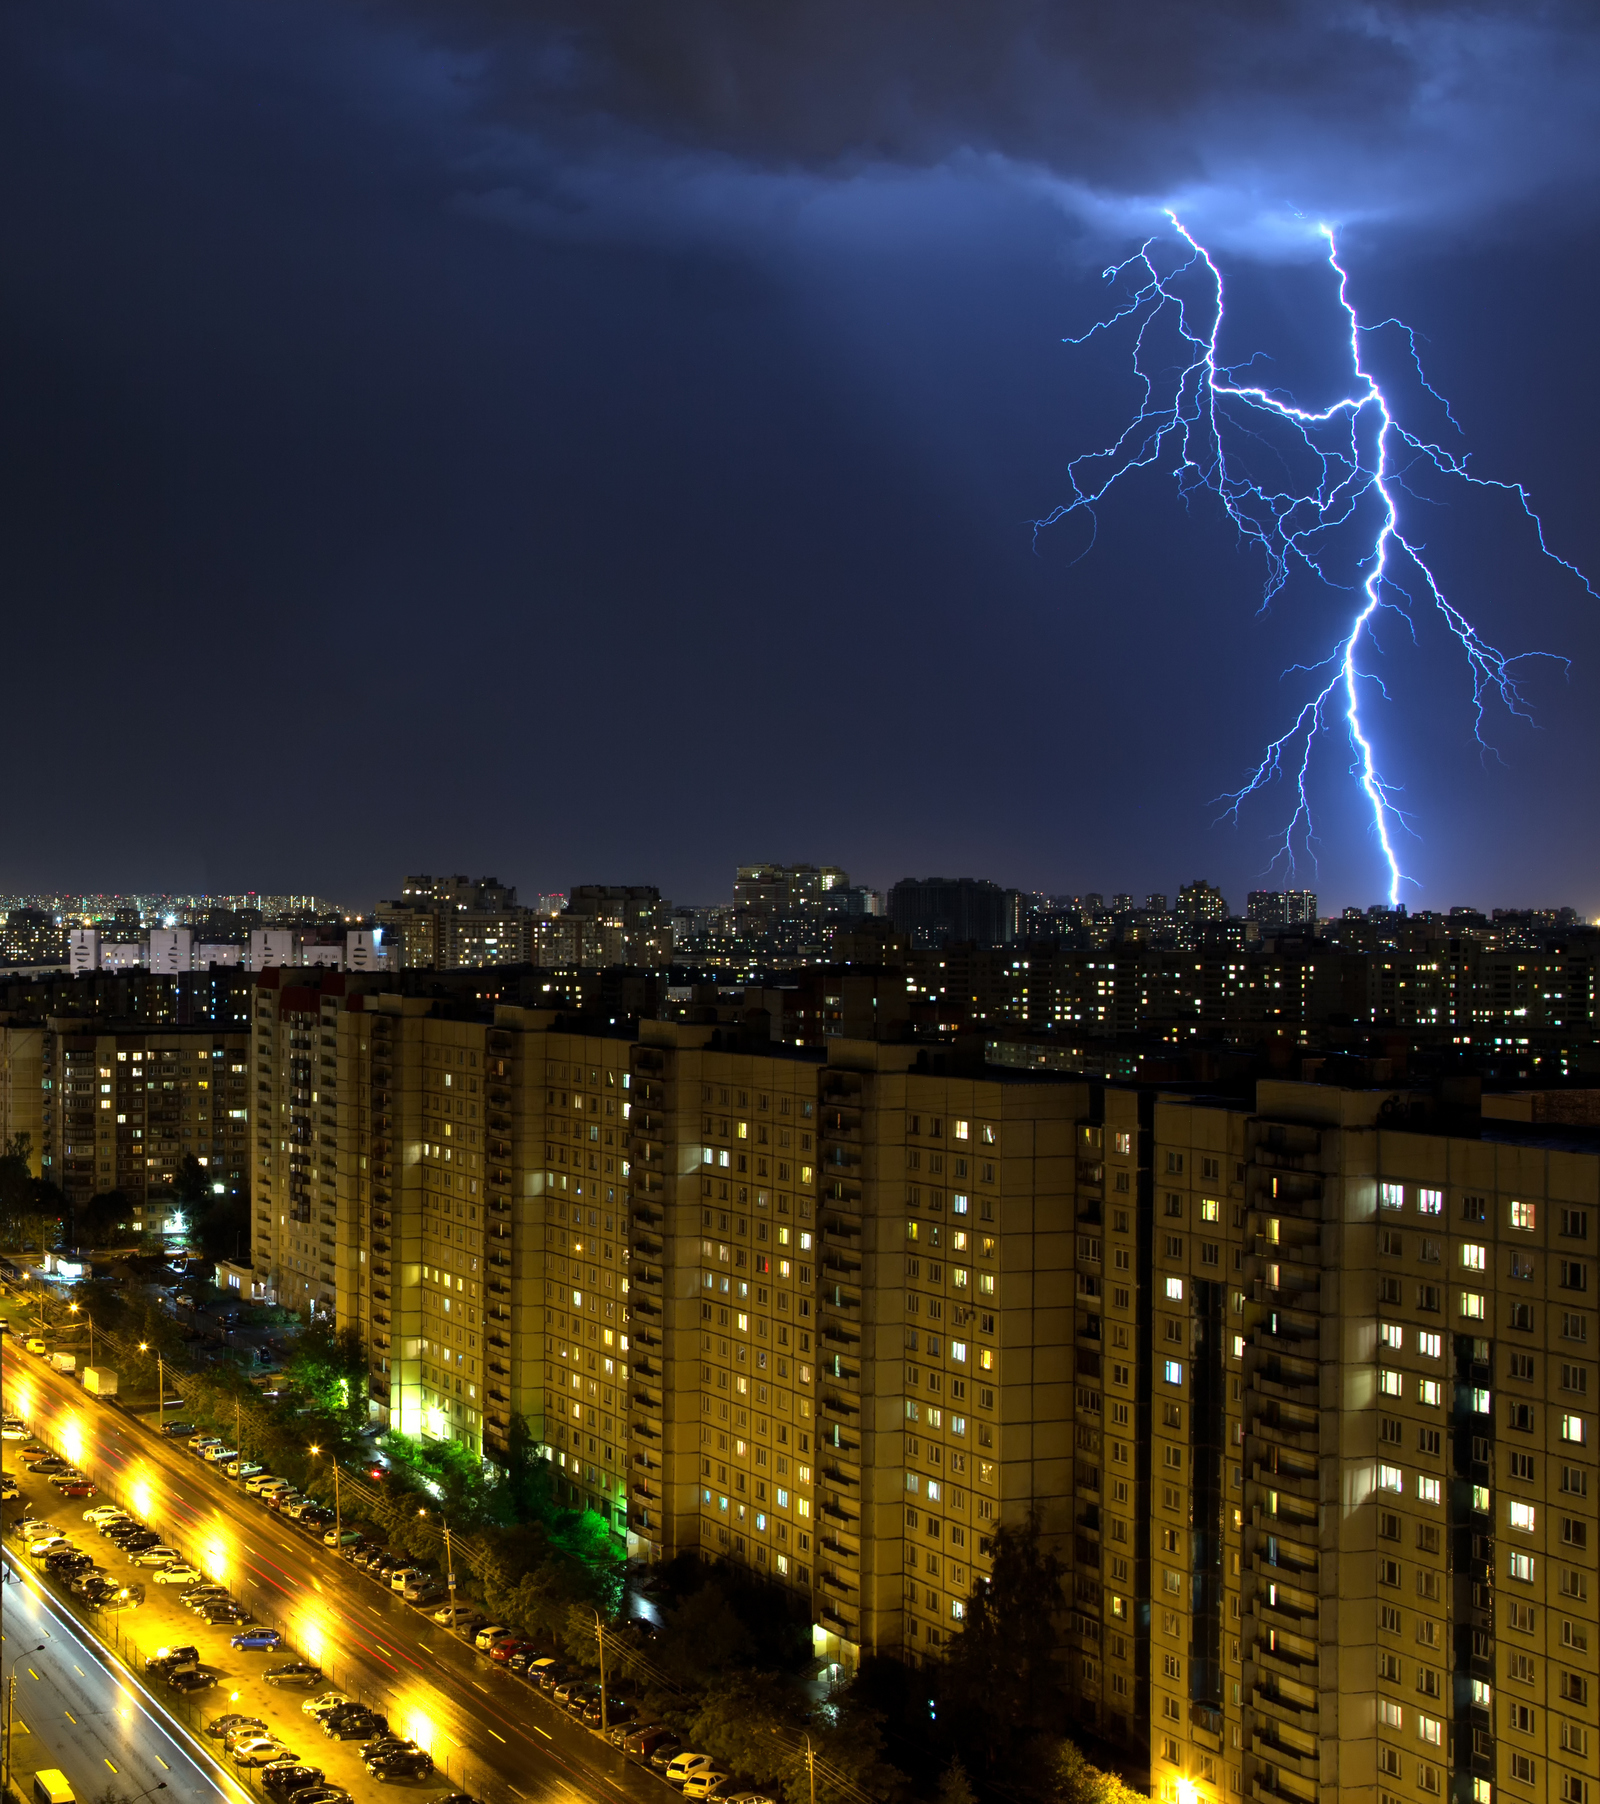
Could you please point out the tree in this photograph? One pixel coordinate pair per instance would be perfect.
(955, 1787)
(330, 1365)
(1001, 1680)
(30, 1208)
(102, 1221)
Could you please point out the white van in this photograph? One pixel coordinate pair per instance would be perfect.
(50, 1787)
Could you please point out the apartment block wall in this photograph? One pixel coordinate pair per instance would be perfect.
(121, 1109)
(1400, 1599)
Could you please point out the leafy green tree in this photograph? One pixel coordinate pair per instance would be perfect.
(1077, 1781)
(31, 1209)
(330, 1365)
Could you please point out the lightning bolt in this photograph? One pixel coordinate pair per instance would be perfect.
(1207, 416)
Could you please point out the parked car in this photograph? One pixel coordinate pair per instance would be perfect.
(42, 1544)
(226, 1610)
(67, 1560)
(289, 1780)
(294, 1672)
(82, 1583)
(323, 1794)
(177, 1430)
(257, 1640)
(259, 1481)
(248, 1728)
(122, 1597)
(403, 1575)
(158, 1555)
(220, 1454)
(453, 1615)
(366, 1725)
(258, 1751)
(403, 1763)
(345, 1540)
(509, 1646)
(327, 1700)
(664, 1755)
(169, 1659)
(105, 1512)
(192, 1678)
(712, 1783)
(617, 1710)
(177, 1573)
(243, 1468)
(489, 1634)
(683, 1767)
(223, 1725)
(73, 1487)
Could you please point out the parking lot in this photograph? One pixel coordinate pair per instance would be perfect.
(225, 1679)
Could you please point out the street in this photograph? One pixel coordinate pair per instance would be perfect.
(488, 1728)
(75, 1714)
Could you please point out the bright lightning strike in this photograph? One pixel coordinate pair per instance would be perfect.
(1205, 417)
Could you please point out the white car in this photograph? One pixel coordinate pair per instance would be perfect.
(47, 1544)
(688, 1766)
(708, 1784)
(403, 1575)
(243, 1468)
(265, 1481)
(106, 1512)
(177, 1573)
(14, 1431)
(324, 1700)
(451, 1614)
(487, 1637)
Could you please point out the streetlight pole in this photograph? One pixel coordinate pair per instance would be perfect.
(11, 1700)
(338, 1517)
(161, 1383)
(600, 1641)
(449, 1558)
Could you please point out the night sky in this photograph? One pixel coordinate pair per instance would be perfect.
(599, 443)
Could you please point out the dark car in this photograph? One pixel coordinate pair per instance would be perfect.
(618, 1710)
(664, 1753)
(44, 1467)
(138, 1542)
(223, 1725)
(365, 1725)
(323, 1794)
(67, 1559)
(81, 1583)
(294, 1672)
(503, 1651)
(191, 1678)
(222, 1614)
(386, 1744)
(168, 1659)
(403, 1763)
(177, 1428)
(285, 1781)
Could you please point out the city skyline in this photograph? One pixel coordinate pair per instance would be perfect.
(700, 400)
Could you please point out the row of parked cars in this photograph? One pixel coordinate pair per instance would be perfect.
(44, 1462)
(285, 1774)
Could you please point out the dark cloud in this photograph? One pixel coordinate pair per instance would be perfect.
(1245, 108)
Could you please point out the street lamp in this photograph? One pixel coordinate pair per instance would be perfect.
(74, 1309)
(161, 1383)
(449, 1558)
(11, 1698)
(338, 1520)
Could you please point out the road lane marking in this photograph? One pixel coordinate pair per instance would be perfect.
(163, 1763)
(108, 1763)
(548, 1737)
(495, 1733)
(32, 1674)
(79, 1670)
(70, 1718)
(483, 1688)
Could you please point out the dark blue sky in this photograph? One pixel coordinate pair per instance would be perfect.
(599, 444)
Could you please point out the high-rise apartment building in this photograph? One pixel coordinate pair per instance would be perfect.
(121, 1107)
(1282, 908)
(1302, 1393)
(938, 911)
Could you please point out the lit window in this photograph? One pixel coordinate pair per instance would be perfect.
(958, 1351)
(1392, 1196)
(1430, 1202)
(1390, 1383)
(1430, 1346)
(1574, 1430)
(1473, 1306)
(958, 1204)
(1475, 1258)
(961, 1130)
(1390, 1478)
(1391, 1334)
(1175, 1289)
(1430, 1730)
(1522, 1517)
(1208, 1208)
(1523, 1216)
(1427, 1490)
(1390, 1714)
(1174, 1371)
(1429, 1391)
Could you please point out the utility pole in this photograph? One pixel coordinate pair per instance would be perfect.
(161, 1384)
(11, 1703)
(811, 1769)
(600, 1639)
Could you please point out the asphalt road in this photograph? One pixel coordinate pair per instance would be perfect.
(488, 1725)
(75, 1714)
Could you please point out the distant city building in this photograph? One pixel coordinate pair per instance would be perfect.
(625, 924)
(30, 936)
(448, 923)
(1198, 901)
(940, 911)
(1282, 908)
